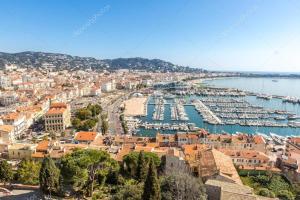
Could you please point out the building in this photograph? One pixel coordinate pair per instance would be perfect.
(85, 137)
(21, 151)
(220, 190)
(58, 117)
(209, 163)
(235, 142)
(4, 81)
(8, 99)
(7, 135)
(17, 120)
(247, 157)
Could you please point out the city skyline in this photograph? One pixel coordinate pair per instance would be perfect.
(227, 36)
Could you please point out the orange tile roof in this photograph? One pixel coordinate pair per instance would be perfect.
(11, 116)
(123, 152)
(85, 136)
(248, 154)
(43, 145)
(55, 111)
(295, 140)
(6, 128)
(258, 139)
(58, 105)
(139, 148)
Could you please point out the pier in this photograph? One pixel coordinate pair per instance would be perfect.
(178, 112)
(159, 109)
(207, 114)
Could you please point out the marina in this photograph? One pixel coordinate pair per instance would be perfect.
(158, 113)
(224, 114)
(218, 110)
(178, 112)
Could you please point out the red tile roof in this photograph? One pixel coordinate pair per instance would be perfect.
(85, 136)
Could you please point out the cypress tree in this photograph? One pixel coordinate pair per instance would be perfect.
(152, 186)
(49, 176)
(141, 172)
(6, 172)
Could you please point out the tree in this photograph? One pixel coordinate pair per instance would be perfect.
(82, 168)
(152, 186)
(266, 193)
(104, 127)
(49, 176)
(130, 190)
(142, 167)
(182, 186)
(130, 162)
(277, 183)
(28, 172)
(83, 114)
(285, 195)
(76, 123)
(6, 172)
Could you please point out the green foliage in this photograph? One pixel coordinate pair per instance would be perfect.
(152, 185)
(130, 162)
(266, 193)
(28, 172)
(285, 195)
(268, 185)
(277, 183)
(6, 172)
(82, 168)
(131, 190)
(104, 127)
(142, 167)
(49, 176)
(83, 114)
(182, 186)
(86, 118)
(76, 123)
(124, 124)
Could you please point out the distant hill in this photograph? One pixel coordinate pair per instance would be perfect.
(58, 61)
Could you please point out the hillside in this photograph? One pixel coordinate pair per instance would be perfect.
(31, 59)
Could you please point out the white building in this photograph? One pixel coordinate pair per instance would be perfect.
(17, 120)
(4, 81)
(8, 99)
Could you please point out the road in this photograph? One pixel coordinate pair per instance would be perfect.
(112, 109)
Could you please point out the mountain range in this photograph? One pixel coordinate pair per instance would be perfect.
(30, 59)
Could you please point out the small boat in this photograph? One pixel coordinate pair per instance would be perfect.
(280, 118)
(293, 117)
(274, 80)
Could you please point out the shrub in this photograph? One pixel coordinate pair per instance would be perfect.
(285, 195)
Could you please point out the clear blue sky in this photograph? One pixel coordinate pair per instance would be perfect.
(215, 34)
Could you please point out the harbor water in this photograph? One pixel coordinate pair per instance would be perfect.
(274, 104)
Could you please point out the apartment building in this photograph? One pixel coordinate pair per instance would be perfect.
(58, 117)
(17, 120)
(8, 99)
(247, 157)
(235, 142)
(6, 134)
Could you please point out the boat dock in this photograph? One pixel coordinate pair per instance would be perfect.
(178, 112)
(159, 109)
(207, 114)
